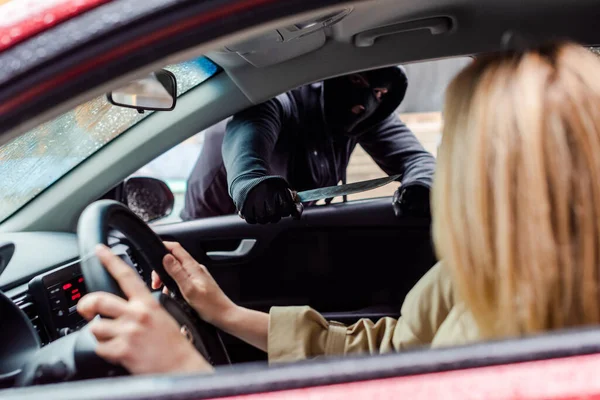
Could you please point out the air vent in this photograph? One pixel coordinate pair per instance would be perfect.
(26, 304)
(133, 261)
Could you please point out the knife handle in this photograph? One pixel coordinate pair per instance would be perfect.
(294, 195)
(298, 206)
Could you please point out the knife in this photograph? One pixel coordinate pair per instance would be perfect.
(341, 190)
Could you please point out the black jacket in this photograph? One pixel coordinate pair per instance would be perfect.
(288, 137)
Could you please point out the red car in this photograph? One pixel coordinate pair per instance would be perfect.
(63, 146)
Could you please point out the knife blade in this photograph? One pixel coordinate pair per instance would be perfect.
(341, 190)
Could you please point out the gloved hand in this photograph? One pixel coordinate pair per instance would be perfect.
(269, 201)
(412, 201)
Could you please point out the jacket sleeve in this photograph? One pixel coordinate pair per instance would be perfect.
(396, 149)
(249, 140)
(207, 197)
(297, 333)
(207, 192)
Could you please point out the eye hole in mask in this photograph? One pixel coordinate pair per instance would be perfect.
(350, 100)
(380, 92)
(361, 82)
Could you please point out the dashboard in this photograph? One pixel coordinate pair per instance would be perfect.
(56, 294)
(41, 274)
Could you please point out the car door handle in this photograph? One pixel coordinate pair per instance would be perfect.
(244, 248)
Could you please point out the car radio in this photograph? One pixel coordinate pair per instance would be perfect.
(56, 294)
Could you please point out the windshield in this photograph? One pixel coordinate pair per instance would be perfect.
(35, 160)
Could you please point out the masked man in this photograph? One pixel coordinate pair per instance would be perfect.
(303, 140)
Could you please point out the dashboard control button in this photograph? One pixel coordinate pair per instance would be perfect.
(65, 332)
(55, 290)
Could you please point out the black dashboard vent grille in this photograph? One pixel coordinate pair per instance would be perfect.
(131, 256)
(26, 304)
(136, 265)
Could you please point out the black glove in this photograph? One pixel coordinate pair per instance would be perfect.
(412, 201)
(269, 201)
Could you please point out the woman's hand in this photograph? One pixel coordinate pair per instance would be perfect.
(197, 286)
(141, 336)
(204, 294)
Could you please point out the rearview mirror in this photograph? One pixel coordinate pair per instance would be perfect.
(148, 198)
(156, 92)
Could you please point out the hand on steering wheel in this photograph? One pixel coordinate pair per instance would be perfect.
(197, 286)
(140, 329)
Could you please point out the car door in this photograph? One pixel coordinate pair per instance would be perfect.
(349, 261)
(557, 366)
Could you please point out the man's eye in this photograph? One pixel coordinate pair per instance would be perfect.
(379, 93)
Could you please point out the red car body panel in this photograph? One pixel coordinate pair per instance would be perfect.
(128, 47)
(557, 379)
(25, 18)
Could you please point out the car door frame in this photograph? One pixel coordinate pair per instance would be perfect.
(560, 365)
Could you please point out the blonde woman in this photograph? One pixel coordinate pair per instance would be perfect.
(516, 221)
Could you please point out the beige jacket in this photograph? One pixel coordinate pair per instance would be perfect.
(430, 316)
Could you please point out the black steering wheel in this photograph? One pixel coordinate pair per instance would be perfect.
(105, 216)
(73, 357)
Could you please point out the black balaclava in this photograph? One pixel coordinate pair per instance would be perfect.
(352, 99)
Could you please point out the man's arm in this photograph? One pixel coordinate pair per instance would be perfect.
(207, 193)
(395, 148)
(249, 141)
(207, 197)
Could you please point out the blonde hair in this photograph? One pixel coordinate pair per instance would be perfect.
(516, 199)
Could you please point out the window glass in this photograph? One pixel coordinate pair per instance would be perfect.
(421, 111)
(174, 167)
(35, 160)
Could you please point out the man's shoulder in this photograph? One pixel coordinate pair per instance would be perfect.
(307, 95)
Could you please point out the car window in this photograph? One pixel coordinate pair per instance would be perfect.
(421, 110)
(174, 167)
(35, 160)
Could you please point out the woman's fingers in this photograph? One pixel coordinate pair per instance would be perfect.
(140, 330)
(128, 279)
(179, 252)
(105, 329)
(185, 260)
(175, 269)
(113, 350)
(156, 282)
(195, 282)
(101, 303)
